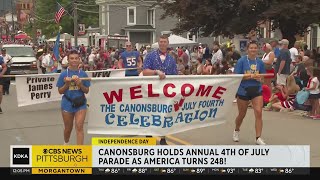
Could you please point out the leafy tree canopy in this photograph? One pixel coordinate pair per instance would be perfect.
(229, 17)
(45, 11)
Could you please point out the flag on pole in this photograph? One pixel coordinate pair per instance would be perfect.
(56, 54)
(59, 13)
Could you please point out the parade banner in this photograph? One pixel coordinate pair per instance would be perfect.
(107, 73)
(150, 106)
(41, 88)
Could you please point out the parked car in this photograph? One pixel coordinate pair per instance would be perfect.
(23, 59)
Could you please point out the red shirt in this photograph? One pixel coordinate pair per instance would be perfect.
(309, 82)
(266, 93)
(280, 97)
(100, 65)
(180, 52)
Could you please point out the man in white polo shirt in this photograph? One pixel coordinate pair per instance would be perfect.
(294, 51)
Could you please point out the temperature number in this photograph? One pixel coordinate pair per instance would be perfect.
(288, 170)
(170, 171)
(200, 170)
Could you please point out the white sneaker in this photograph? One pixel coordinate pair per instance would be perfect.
(235, 101)
(260, 141)
(65, 143)
(235, 136)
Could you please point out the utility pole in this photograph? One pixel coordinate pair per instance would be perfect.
(75, 23)
(34, 28)
(12, 11)
(2, 23)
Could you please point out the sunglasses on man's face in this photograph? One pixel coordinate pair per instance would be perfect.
(253, 42)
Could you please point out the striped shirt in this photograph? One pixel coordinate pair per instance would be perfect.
(289, 102)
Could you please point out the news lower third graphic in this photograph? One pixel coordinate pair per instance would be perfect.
(138, 156)
(51, 159)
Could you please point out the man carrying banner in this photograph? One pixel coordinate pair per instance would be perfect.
(159, 62)
(3, 69)
(250, 89)
(130, 59)
(74, 103)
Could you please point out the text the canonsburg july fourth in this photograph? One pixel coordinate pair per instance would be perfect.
(185, 110)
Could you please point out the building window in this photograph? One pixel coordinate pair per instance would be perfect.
(28, 6)
(151, 17)
(102, 14)
(131, 15)
(314, 37)
(261, 32)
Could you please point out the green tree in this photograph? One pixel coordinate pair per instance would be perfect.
(45, 13)
(229, 17)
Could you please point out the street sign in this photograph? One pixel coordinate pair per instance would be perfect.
(39, 32)
(82, 29)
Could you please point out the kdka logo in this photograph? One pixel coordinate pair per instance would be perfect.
(20, 156)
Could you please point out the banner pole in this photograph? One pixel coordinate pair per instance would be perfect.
(248, 75)
(85, 79)
(88, 79)
(124, 69)
(9, 76)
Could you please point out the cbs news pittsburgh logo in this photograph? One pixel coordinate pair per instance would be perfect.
(50, 159)
(20, 159)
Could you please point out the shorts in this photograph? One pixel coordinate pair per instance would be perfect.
(132, 73)
(314, 96)
(250, 97)
(282, 79)
(251, 93)
(271, 71)
(91, 63)
(66, 106)
(1, 81)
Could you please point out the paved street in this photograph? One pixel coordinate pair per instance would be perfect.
(42, 124)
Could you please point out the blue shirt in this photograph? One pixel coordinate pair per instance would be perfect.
(153, 62)
(130, 60)
(73, 90)
(1, 62)
(246, 66)
(284, 56)
(276, 52)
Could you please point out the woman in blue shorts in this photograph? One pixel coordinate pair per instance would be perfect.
(250, 89)
(74, 103)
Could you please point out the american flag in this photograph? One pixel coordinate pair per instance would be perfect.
(59, 13)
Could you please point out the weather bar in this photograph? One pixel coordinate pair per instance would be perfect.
(201, 171)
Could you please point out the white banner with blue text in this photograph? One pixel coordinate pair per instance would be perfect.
(150, 106)
(41, 88)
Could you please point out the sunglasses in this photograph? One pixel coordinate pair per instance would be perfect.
(253, 42)
(73, 51)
